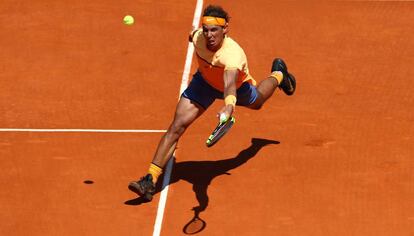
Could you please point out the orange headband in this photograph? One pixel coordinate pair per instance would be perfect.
(211, 20)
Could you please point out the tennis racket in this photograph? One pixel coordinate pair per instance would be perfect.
(221, 129)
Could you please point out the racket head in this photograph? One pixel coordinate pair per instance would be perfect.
(221, 129)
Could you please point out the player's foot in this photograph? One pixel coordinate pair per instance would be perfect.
(144, 187)
(288, 84)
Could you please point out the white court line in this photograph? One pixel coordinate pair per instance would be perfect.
(184, 84)
(85, 130)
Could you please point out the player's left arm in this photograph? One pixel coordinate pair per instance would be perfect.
(191, 35)
(230, 95)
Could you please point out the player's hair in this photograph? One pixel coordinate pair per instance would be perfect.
(217, 11)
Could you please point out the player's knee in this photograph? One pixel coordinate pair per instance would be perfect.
(178, 127)
(256, 106)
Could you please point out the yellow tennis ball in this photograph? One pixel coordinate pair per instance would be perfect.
(128, 20)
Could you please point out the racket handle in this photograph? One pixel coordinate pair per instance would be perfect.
(223, 118)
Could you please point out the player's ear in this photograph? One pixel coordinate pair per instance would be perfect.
(226, 28)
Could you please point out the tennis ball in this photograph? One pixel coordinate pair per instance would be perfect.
(128, 20)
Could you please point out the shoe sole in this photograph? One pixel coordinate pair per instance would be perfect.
(292, 82)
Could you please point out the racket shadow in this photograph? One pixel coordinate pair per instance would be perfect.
(201, 173)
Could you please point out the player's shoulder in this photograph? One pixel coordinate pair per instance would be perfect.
(231, 41)
(231, 46)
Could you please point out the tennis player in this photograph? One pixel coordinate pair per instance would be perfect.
(222, 73)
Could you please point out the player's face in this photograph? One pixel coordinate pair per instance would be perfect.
(214, 36)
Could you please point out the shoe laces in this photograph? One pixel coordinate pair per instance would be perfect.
(146, 182)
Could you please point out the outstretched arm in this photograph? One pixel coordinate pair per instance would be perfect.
(230, 96)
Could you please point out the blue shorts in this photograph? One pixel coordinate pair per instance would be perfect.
(204, 94)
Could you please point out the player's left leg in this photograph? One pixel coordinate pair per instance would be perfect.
(265, 90)
(279, 78)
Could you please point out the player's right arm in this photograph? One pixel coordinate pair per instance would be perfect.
(230, 96)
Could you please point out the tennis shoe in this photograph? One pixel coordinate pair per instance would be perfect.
(144, 187)
(288, 84)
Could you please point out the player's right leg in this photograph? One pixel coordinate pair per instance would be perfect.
(186, 112)
(193, 102)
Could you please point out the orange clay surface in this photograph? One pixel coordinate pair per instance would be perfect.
(339, 153)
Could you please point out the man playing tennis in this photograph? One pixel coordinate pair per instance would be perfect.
(222, 73)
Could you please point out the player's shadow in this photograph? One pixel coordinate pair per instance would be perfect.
(201, 173)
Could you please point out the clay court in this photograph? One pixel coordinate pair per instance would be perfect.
(334, 159)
